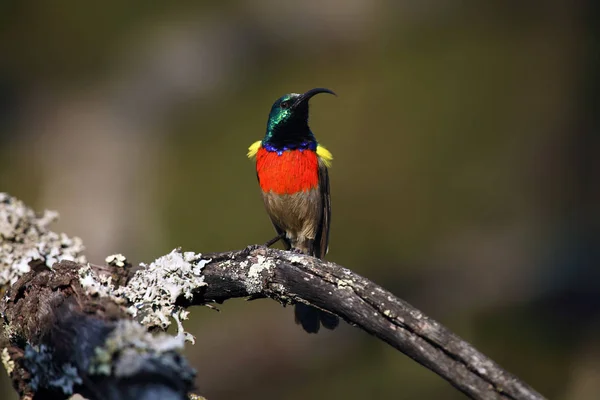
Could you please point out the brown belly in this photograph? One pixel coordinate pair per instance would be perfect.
(298, 215)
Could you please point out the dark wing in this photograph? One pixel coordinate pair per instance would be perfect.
(322, 238)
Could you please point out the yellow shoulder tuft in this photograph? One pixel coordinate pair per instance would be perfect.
(253, 149)
(325, 155)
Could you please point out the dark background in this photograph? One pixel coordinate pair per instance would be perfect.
(465, 180)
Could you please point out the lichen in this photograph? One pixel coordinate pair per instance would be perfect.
(345, 284)
(416, 314)
(118, 260)
(9, 364)
(25, 237)
(151, 293)
(297, 259)
(96, 284)
(254, 281)
(128, 346)
(153, 290)
(8, 331)
(47, 372)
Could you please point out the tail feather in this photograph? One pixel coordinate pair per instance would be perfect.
(308, 317)
(329, 321)
(312, 318)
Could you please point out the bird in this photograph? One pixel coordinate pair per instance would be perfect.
(292, 171)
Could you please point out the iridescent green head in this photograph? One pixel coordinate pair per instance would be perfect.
(287, 127)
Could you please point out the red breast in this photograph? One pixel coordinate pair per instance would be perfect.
(289, 172)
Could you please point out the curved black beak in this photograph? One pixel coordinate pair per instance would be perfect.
(312, 92)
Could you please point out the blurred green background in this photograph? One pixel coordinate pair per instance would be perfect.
(465, 180)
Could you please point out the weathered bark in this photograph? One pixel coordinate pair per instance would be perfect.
(288, 277)
(60, 337)
(61, 341)
(69, 328)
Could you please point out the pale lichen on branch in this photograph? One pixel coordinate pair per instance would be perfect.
(67, 324)
(25, 239)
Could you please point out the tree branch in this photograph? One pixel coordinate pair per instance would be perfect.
(288, 278)
(158, 293)
(60, 336)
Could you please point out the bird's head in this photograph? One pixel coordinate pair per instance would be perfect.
(287, 126)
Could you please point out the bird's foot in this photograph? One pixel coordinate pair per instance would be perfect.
(250, 248)
(275, 240)
(297, 251)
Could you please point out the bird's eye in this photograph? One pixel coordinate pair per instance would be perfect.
(285, 104)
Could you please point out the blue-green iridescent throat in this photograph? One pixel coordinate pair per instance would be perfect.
(287, 126)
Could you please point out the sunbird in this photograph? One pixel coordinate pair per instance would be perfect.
(291, 167)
